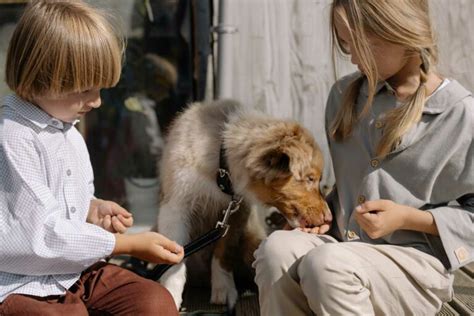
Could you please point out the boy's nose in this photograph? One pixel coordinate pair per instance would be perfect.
(95, 101)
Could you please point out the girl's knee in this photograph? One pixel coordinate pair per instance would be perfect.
(326, 261)
(280, 250)
(272, 247)
(274, 256)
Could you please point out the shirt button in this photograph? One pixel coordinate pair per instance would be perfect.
(378, 124)
(68, 172)
(361, 199)
(73, 209)
(54, 122)
(374, 163)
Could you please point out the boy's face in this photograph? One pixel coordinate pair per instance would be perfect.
(71, 106)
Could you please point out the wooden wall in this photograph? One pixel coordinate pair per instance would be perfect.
(282, 58)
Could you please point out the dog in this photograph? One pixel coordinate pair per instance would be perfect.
(271, 162)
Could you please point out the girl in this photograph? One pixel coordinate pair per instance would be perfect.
(52, 228)
(401, 140)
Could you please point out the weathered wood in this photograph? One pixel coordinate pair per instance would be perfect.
(463, 301)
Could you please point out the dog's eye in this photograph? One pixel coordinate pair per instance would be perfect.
(310, 178)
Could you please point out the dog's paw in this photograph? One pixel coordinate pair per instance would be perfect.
(224, 293)
(177, 296)
(222, 286)
(173, 280)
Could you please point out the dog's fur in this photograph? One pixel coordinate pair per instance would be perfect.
(274, 162)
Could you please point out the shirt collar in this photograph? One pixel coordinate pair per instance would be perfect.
(437, 103)
(451, 94)
(35, 114)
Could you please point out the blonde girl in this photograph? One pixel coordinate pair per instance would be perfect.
(53, 231)
(401, 142)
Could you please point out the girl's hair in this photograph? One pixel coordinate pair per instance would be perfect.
(402, 22)
(61, 47)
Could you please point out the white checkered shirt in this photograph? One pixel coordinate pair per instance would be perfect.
(46, 184)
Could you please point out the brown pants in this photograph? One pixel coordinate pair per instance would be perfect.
(103, 289)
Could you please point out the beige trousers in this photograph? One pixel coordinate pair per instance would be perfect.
(304, 274)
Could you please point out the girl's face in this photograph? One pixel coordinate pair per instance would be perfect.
(390, 58)
(71, 106)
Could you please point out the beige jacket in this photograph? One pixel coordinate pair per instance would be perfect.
(433, 166)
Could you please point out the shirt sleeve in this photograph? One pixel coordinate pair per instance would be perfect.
(36, 237)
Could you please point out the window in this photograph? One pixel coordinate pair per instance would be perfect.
(166, 62)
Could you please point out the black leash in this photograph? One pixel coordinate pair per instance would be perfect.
(189, 249)
(225, 184)
(201, 242)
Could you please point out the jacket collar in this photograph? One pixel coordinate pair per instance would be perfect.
(450, 95)
(436, 103)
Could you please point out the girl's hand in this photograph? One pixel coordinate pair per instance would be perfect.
(319, 230)
(109, 215)
(379, 218)
(149, 246)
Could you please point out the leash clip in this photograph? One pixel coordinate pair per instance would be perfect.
(223, 173)
(233, 207)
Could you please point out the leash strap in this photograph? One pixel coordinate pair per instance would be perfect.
(204, 240)
(189, 249)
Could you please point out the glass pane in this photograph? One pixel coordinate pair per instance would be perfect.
(165, 68)
(160, 76)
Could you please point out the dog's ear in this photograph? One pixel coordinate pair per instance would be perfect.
(277, 161)
(272, 164)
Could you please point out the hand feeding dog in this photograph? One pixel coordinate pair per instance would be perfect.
(271, 161)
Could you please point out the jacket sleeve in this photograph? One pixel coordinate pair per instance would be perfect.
(455, 244)
(36, 238)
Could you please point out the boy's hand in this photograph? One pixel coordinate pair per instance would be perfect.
(109, 215)
(149, 246)
(379, 218)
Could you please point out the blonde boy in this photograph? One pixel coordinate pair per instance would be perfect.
(53, 231)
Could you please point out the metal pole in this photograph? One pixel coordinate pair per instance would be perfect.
(224, 52)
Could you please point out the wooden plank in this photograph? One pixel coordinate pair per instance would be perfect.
(196, 300)
(447, 310)
(12, 1)
(469, 269)
(247, 305)
(463, 301)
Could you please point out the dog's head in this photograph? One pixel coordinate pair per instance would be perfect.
(285, 173)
